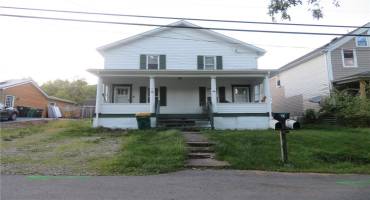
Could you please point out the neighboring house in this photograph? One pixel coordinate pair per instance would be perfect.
(182, 75)
(26, 93)
(343, 63)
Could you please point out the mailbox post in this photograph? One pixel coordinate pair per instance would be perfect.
(282, 117)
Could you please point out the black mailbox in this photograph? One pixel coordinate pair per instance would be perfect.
(281, 116)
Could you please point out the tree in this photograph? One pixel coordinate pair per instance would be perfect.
(282, 6)
(76, 90)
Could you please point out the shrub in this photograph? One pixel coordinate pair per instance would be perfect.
(310, 116)
(350, 110)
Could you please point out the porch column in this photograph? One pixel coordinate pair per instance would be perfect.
(152, 94)
(214, 94)
(266, 86)
(363, 89)
(99, 94)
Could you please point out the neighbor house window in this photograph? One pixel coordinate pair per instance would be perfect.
(349, 58)
(9, 101)
(152, 61)
(362, 41)
(240, 94)
(278, 83)
(209, 62)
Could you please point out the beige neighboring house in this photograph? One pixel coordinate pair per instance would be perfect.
(343, 63)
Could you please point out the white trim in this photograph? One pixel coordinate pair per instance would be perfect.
(13, 99)
(354, 59)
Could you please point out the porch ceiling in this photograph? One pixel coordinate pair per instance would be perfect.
(179, 73)
(353, 78)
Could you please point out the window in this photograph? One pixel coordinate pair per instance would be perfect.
(209, 62)
(349, 58)
(153, 61)
(240, 94)
(9, 101)
(278, 83)
(362, 41)
(122, 91)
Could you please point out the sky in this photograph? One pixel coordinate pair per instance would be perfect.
(48, 50)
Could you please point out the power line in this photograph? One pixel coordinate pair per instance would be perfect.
(178, 26)
(183, 18)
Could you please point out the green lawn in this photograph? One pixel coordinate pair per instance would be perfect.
(72, 147)
(314, 149)
(149, 152)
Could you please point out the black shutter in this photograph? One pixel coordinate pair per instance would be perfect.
(222, 94)
(142, 61)
(163, 96)
(202, 96)
(200, 61)
(142, 95)
(219, 62)
(162, 62)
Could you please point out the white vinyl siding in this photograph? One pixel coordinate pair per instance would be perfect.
(180, 53)
(300, 83)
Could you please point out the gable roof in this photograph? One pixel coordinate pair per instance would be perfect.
(333, 44)
(17, 82)
(181, 24)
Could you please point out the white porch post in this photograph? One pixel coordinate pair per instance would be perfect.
(99, 89)
(152, 94)
(214, 94)
(266, 86)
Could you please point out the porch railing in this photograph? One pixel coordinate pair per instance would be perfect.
(124, 108)
(242, 108)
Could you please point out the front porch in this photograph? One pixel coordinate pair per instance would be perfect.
(222, 101)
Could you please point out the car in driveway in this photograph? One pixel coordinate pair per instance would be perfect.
(8, 113)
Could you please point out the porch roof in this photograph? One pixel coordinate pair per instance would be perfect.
(179, 73)
(352, 78)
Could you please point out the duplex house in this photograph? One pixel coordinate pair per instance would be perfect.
(343, 63)
(185, 76)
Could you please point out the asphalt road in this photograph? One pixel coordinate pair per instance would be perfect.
(190, 184)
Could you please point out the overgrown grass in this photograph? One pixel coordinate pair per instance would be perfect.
(73, 147)
(313, 149)
(149, 152)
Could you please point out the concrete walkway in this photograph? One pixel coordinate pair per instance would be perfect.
(190, 184)
(201, 153)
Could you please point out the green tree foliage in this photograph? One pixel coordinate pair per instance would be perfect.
(282, 7)
(77, 90)
(349, 109)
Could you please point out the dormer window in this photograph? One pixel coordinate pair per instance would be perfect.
(349, 58)
(362, 41)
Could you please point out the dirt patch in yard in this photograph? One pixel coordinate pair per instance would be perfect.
(50, 149)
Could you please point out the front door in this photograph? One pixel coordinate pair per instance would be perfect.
(122, 94)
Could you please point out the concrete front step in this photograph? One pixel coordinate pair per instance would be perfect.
(206, 163)
(199, 144)
(201, 150)
(198, 155)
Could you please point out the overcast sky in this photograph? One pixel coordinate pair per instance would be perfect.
(47, 50)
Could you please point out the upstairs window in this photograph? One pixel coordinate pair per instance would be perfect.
(362, 41)
(152, 62)
(209, 62)
(349, 58)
